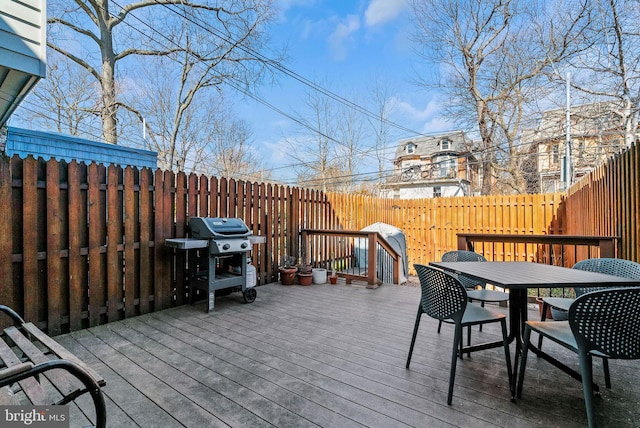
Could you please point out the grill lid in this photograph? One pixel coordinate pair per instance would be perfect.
(216, 228)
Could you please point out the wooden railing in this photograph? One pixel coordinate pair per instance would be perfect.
(560, 250)
(347, 253)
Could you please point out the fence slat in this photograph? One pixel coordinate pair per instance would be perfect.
(57, 286)
(147, 227)
(114, 236)
(77, 236)
(32, 297)
(7, 292)
(97, 236)
(131, 236)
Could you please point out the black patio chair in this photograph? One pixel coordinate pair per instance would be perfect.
(445, 299)
(604, 323)
(617, 267)
(474, 293)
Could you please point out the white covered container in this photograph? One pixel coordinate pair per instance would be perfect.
(319, 275)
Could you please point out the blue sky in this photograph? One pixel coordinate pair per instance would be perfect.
(342, 45)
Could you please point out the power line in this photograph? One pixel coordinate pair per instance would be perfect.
(277, 65)
(245, 91)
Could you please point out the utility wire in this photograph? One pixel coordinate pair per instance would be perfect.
(279, 67)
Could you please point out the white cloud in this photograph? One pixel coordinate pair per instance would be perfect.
(382, 11)
(338, 40)
(426, 120)
(413, 114)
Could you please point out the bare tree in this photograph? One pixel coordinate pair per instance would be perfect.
(64, 101)
(311, 148)
(98, 38)
(492, 55)
(327, 149)
(348, 153)
(208, 139)
(383, 103)
(610, 69)
(231, 154)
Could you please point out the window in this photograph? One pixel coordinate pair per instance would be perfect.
(581, 149)
(437, 191)
(448, 166)
(411, 148)
(554, 154)
(445, 144)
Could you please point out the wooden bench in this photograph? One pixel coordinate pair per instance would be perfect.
(36, 370)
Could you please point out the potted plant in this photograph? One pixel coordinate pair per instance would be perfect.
(305, 274)
(333, 276)
(287, 270)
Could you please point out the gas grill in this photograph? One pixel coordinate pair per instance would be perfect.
(227, 240)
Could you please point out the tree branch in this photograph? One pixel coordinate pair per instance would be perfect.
(77, 60)
(134, 51)
(75, 28)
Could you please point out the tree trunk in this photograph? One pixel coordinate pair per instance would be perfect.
(107, 81)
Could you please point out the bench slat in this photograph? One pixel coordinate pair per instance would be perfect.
(59, 378)
(61, 351)
(32, 389)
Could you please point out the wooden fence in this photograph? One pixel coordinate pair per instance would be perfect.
(82, 245)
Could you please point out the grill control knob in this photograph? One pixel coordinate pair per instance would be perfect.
(243, 245)
(226, 246)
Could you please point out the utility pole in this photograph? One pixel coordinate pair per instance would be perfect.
(568, 166)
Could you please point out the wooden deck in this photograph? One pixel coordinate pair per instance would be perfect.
(324, 355)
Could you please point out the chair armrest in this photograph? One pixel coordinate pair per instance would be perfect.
(17, 319)
(25, 370)
(14, 370)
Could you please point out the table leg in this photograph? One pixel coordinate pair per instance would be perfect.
(517, 318)
(518, 314)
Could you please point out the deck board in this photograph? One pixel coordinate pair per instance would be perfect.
(325, 355)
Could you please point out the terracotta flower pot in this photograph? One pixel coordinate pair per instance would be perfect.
(305, 278)
(287, 275)
(333, 279)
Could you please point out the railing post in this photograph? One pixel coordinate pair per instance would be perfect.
(396, 270)
(607, 249)
(372, 275)
(464, 243)
(304, 237)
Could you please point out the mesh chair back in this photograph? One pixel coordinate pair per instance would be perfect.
(462, 256)
(443, 297)
(617, 267)
(608, 321)
(465, 256)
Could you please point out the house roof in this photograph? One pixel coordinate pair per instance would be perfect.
(429, 146)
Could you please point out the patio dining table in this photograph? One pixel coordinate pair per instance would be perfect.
(518, 277)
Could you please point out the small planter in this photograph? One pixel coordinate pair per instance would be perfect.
(333, 279)
(305, 278)
(319, 275)
(288, 275)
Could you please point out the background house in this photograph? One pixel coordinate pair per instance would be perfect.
(432, 166)
(597, 132)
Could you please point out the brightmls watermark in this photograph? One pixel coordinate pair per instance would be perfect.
(34, 416)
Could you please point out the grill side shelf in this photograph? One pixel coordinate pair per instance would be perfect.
(186, 243)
